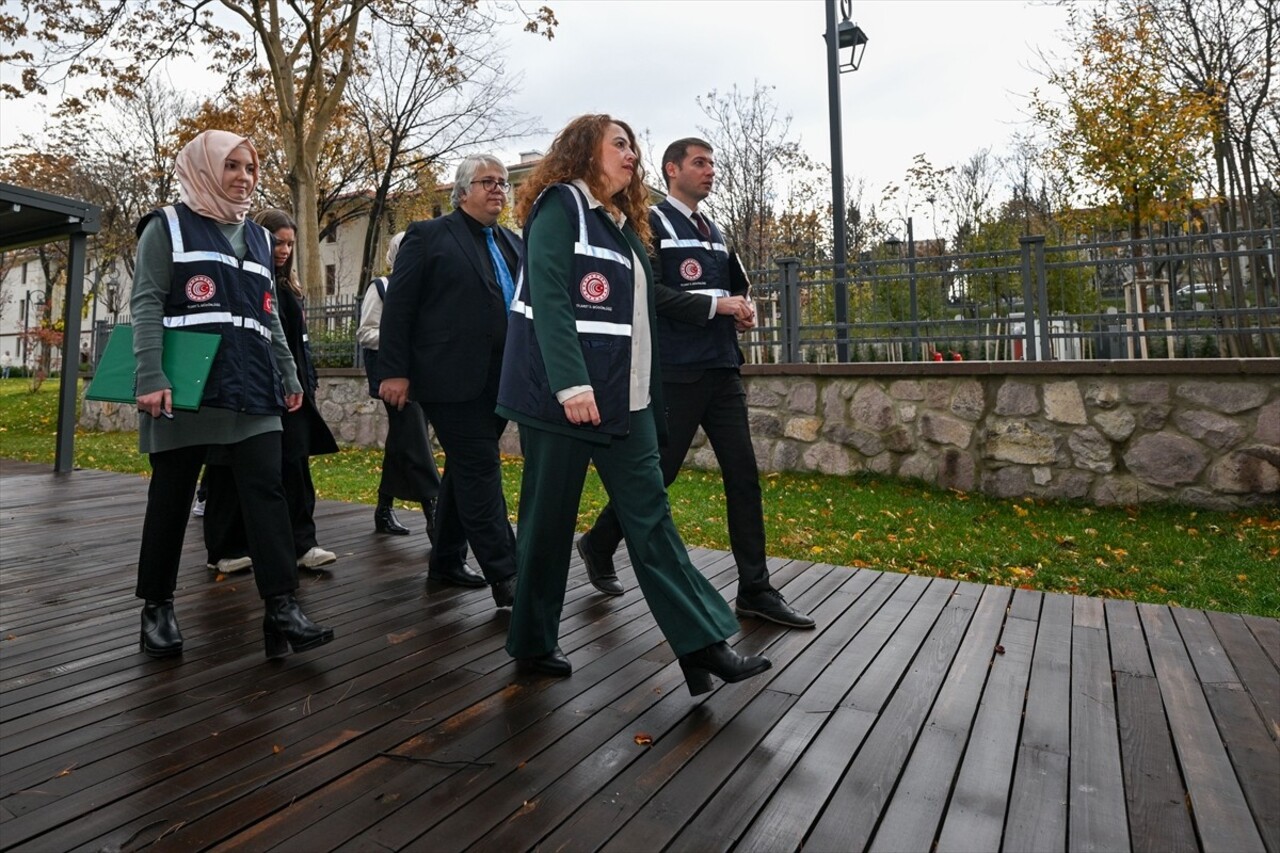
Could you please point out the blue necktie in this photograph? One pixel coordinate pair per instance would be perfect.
(500, 268)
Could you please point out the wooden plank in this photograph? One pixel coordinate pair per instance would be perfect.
(1268, 633)
(685, 795)
(975, 815)
(1096, 816)
(1257, 673)
(1221, 812)
(1157, 803)
(911, 819)
(783, 821)
(849, 818)
(713, 738)
(1037, 814)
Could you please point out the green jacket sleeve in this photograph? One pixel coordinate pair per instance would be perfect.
(550, 260)
(151, 276)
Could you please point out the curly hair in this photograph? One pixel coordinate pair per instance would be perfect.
(273, 219)
(575, 154)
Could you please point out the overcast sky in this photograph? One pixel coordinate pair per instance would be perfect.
(940, 77)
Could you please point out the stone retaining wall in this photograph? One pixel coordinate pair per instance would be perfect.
(1196, 432)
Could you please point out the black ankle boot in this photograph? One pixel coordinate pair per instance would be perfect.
(286, 627)
(385, 521)
(721, 661)
(160, 635)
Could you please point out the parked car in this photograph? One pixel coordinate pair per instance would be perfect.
(1192, 295)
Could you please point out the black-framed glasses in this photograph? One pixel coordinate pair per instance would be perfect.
(491, 184)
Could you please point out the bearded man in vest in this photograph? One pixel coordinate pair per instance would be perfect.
(702, 303)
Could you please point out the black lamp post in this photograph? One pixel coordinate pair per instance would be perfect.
(845, 35)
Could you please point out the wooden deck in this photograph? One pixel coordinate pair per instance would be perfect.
(922, 713)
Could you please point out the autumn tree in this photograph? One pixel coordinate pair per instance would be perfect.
(412, 110)
(310, 52)
(752, 152)
(1121, 136)
(118, 156)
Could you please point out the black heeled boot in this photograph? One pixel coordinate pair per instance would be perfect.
(721, 661)
(385, 521)
(160, 635)
(286, 627)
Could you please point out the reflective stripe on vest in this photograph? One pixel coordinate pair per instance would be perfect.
(671, 241)
(181, 255)
(584, 247)
(216, 318)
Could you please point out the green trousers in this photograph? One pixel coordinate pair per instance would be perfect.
(690, 612)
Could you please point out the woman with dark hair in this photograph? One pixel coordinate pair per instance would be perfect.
(304, 434)
(581, 378)
(202, 267)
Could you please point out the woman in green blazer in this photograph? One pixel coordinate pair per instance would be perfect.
(581, 379)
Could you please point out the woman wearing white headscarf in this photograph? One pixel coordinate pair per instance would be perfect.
(202, 267)
(409, 469)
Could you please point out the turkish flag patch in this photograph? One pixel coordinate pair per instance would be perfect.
(266, 302)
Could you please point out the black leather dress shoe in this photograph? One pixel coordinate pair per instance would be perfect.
(160, 635)
(721, 661)
(385, 521)
(553, 662)
(600, 570)
(463, 575)
(504, 592)
(769, 604)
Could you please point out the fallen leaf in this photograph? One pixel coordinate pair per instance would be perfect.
(999, 649)
(643, 739)
(277, 749)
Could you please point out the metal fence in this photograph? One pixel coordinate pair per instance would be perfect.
(1180, 296)
(1203, 295)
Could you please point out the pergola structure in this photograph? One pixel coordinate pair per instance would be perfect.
(30, 218)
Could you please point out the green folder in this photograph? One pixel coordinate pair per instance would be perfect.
(187, 360)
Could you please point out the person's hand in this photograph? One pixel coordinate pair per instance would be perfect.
(293, 402)
(395, 392)
(157, 403)
(733, 306)
(581, 409)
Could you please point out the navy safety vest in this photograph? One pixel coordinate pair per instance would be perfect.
(602, 290)
(214, 291)
(691, 264)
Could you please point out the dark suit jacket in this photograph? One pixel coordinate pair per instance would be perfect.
(443, 320)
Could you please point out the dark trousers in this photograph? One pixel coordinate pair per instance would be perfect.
(255, 470)
(690, 611)
(472, 507)
(717, 402)
(225, 531)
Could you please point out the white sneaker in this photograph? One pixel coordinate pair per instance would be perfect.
(198, 509)
(231, 565)
(317, 557)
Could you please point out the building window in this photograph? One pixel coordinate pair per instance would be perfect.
(24, 272)
(332, 235)
(330, 279)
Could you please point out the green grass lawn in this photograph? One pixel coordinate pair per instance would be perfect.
(1161, 554)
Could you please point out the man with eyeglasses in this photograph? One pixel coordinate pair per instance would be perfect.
(444, 324)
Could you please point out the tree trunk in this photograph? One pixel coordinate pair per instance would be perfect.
(306, 206)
